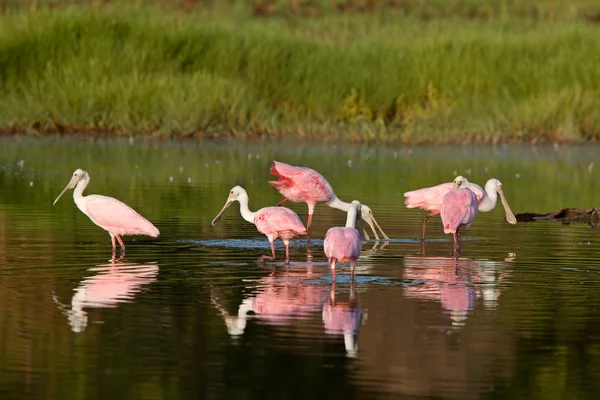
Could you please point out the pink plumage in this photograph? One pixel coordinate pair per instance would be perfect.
(110, 214)
(278, 222)
(459, 207)
(430, 199)
(342, 244)
(275, 222)
(305, 185)
(301, 184)
(118, 218)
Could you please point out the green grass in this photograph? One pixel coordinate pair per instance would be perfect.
(397, 77)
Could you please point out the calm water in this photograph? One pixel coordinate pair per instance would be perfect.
(193, 315)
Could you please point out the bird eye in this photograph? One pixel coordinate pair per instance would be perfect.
(74, 174)
(231, 192)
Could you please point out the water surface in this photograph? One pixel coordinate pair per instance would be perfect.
(192, 314)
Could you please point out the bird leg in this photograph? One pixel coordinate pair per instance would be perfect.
(282, 202)
(269, 258)
(121, 242)
(456, 245)
(332, 263)
(308, 225)
(112, 239)
(287, 252)
(431, 214)
(352, 264)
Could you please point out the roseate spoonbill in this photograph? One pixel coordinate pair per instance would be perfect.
(274, 222)
(430, 199)
(110, 214)
(305, 185)
(458, 208)
(343, 244)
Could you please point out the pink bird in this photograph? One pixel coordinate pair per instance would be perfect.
(274, 222)
(305, 185)
(430, 199)
(110, 214)
(458, 208)
(343, 244)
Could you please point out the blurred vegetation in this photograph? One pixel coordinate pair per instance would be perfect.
(397, 71)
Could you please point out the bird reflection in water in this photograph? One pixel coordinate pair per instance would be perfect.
(456, 284)
(278, 299)
(344, 318)
(113, 283)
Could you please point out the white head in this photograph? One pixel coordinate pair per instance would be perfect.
(460, 182)
(494, 185)
(367, 215)
(78, 176)
(236, 193)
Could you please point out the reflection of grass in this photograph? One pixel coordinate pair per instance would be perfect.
(126, 69)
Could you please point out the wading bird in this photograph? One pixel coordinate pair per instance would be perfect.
(110, 214)
(274, 222)
(458, 208)
(305, 185)
(430, 199)
(343, 244)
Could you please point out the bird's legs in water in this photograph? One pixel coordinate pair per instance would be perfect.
(456, 245)
(287, 252)
(431, 214)
(269, 258)
(332, 263)
(114, 245)
(308, 225)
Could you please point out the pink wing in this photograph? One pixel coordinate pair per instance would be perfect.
(271, 220)
(475, 188)
(117, 217)
(301, 184)
(342, 243)
(429, 198)
(459, 207)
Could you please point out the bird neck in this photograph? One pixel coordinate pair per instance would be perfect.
(490, 196)
(245, 211)
(351, 218)
(78, 194)
(339, 204)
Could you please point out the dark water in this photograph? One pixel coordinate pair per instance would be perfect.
(193, 315)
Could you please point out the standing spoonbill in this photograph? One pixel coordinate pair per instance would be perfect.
(274, 222)
(305, 185)
(343, 244)
(110, 214)
(458, 208)
(430, 199)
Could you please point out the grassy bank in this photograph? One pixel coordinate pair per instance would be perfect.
(391, 76)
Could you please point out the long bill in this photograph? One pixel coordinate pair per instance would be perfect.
(373, 223)
(510, 217)
(218, 217)
(70, 185)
